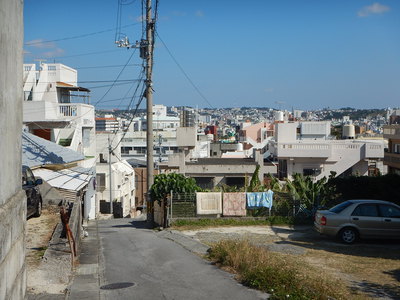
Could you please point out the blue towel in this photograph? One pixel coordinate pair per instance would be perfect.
(269, 199)
(251, 200)
(264, 199)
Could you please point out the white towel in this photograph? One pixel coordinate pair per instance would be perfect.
(209, 203)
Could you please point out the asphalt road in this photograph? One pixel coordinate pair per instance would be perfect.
(137, 263)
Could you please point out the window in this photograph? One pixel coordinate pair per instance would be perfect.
(101, 181)
(311, 172)
(51, 68)
(389, 211)
(396, 148)
(366, 210)
(30, 179)
(340, 207)
(126, 150)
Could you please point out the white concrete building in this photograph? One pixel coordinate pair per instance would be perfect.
(122, 176)
(107, 123)
(57, 109)
(307, 148)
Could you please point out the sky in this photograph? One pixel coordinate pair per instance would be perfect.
(300, 54)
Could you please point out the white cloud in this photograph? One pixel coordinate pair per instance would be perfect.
(199, 13)
(269, 90)
(40, 43)
(375, 8)
(55, 53)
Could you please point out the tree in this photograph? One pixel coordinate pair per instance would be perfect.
(165, 183)
(177, 183)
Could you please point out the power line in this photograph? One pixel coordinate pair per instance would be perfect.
(116, 79)
(76, 36)
(83, 54)
(109, 66)
(183, 72)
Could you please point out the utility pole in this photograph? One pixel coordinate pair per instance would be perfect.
(146, 53)
(110, 174)
(149, 98)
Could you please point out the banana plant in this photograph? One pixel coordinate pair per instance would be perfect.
(310, 193)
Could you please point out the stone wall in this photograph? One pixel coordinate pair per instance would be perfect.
(12, 198)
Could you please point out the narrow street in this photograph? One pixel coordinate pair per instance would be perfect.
(129, 261)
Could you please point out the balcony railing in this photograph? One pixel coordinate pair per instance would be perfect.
(42, 111)
(391, 131)
(392, 159)
(68, 110)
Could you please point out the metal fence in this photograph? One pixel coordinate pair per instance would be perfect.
(182, 205)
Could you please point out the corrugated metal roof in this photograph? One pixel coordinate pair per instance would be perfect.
(71, 87)
(38, 152)
(64, 179)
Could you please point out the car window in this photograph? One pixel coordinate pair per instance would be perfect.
(23, 177)
(30, 179)
(338, 208)
(366, 210)
(389, 211)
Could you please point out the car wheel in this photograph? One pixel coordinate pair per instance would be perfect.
(348, 235)
(38, 209)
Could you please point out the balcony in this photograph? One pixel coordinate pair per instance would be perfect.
(303, 150)
(50, 112)
(391, 131)
(332, 150)
(392, 160)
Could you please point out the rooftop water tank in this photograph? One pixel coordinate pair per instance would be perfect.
(279, 116)
(349, 131)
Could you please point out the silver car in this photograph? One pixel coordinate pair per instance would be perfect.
(355, 219)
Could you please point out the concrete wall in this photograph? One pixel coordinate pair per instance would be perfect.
(12, 198)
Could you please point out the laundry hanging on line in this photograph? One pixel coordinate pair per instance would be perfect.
(260, 199)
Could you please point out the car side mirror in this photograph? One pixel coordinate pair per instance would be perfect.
(38, 181)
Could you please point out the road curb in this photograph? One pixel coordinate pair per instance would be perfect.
(186, 242)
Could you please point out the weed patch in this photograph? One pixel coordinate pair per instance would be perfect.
(280, 275)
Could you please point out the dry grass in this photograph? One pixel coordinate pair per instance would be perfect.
(382, 273)
(281, 275)
(38, 234)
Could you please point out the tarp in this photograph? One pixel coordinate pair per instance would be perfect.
(64, 179)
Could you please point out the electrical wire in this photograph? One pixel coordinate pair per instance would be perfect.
(183, 72)
(84, 54)
(76, 36)
(109, 66)
(122, 70)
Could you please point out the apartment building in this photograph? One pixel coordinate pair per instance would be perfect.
(392, 133)
(308, 148)
(55, 108)
(117, 185)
